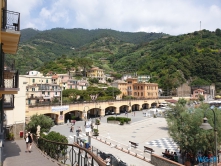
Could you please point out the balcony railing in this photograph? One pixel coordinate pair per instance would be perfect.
(68, 154)
(11, 79)
(10, 20)
(8, 101)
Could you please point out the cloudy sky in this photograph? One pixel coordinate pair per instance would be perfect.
(168, 16)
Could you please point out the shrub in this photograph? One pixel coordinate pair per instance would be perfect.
(122, 122)
(111, 118)
(97, 122)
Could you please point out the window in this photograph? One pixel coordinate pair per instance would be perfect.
(43, 92)
(26, 89)
(48, 93)
(47, 81)
(33, 89)
(56, 93)
(33, 80)
(141, 94)
(141, 87)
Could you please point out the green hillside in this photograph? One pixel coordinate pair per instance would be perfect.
(38, 47)
(169, 60)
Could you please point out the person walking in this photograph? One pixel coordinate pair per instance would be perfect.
(27, 142)
(30, 139)
(72, 128)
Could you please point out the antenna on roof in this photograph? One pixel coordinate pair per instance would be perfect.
(200, 25)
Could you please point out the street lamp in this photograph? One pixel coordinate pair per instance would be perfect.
(85, 118)
(206, 126)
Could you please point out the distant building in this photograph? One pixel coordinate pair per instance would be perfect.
(98, 73)
(197, 92)
(131, 87)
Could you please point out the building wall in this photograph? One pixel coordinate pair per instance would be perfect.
(16, 116)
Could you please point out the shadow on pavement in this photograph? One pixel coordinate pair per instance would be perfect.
(11, 148)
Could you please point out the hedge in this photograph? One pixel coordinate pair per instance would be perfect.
(112, 118)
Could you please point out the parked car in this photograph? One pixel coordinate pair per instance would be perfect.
(109, 113)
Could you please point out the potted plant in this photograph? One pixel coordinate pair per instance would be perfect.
(11, 136)
(96, 132)
(97, 122)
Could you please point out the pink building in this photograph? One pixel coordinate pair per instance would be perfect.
(198, 92)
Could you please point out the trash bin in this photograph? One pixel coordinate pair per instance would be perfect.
(21, 133)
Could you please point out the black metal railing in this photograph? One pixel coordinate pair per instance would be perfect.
(10, 20)
(68, 154)
(13, 82)
(8, 101)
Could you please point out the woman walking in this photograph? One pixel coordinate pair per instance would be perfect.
(27, 142)
(30, 139)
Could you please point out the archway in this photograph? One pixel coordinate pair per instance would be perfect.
(153, 105)
(145, 106)
(54, 117)
(124, 108)
(73, 115)
(135, 107)
(94, 113)
(110, 110)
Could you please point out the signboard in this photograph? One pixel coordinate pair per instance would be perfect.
(88, 126)
(60, 108)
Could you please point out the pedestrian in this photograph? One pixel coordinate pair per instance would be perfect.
(78, 131)
(107, 160)
(27, 142)
(134, 113)
(72, 128)
(30, 139)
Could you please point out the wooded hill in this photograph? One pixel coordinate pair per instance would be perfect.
(37, 47)
(170, 60)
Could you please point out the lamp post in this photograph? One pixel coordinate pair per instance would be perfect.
(85, 118)
(206, 126)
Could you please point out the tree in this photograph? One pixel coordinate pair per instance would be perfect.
(44, 121)
(184, 128)
(84, 63)
(112, 91)
(201, 98)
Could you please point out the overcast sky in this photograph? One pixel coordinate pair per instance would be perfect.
(168, 16)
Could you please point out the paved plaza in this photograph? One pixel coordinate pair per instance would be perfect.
(146, 131)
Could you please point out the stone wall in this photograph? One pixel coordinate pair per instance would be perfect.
(16, 130)
(161, 161)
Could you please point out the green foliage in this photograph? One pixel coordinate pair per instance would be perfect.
(120, 119)
(184, 128)
(121, 122)
(55, 136)
(97, 122)
(182, 101)
(93, 80)
(201, 98)
(52, 149)
(44, 121)
(111, 118)
(112, 91)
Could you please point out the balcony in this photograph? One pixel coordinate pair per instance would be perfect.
(10, 84)
(10, 33)
(8, 102)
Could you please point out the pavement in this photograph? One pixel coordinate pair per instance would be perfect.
(141, 130)
(14, 155)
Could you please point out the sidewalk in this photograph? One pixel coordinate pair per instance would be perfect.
(14, 155)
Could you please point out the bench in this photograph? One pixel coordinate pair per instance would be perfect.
(148, 149)
(169, 156)
(133, 144)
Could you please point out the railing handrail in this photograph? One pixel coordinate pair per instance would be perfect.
(12, 22)
(77, 146)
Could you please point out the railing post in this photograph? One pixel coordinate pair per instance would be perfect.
(72, 157)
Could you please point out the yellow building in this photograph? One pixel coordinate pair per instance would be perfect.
(96, 72)
(9, 78)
